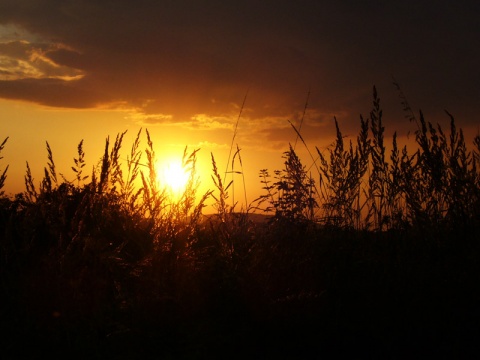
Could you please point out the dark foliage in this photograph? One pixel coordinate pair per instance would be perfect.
(374, 259)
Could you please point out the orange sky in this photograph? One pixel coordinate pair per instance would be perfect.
(85, 69)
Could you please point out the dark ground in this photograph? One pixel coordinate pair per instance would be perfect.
(354, 297)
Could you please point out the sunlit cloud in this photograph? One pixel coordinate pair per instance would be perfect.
(210, 145)
(150, 119)
(20, 59)
(206, 122)
(14, 69)
(196, 122)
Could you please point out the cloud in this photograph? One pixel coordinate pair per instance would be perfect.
(184, 58)
(150, 119)
(50, 92)
(24, 60)
(206, 122)
(211, 146)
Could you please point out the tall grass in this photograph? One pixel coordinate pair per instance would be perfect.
(3, 176)
(109, 255)
(361, 187)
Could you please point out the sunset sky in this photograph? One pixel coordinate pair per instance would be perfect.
(88, 69)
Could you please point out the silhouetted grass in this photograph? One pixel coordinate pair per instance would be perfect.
(369, 256)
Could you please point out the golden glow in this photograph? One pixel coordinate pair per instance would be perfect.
(173, 176)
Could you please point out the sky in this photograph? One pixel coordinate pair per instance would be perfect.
(211, 74)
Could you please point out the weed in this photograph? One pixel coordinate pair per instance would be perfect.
(365, 243)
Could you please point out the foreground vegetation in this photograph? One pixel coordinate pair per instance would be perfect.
(375, 255)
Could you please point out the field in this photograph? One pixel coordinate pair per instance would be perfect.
(376, 256)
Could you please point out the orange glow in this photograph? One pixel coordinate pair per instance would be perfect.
(173, 176)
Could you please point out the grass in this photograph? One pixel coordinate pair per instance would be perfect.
(368, 255)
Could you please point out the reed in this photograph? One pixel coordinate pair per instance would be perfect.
(361, 187)
(3, 176)
(357, 233)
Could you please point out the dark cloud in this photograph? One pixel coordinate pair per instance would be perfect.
(182, 58)
(51, 92)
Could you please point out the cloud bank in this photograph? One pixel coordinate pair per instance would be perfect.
(191, 62)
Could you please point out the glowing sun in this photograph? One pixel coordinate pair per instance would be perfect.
(173, 176)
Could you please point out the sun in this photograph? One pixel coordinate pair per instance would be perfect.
(173, 176)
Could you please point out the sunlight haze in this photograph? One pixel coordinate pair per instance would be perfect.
(186, 71)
